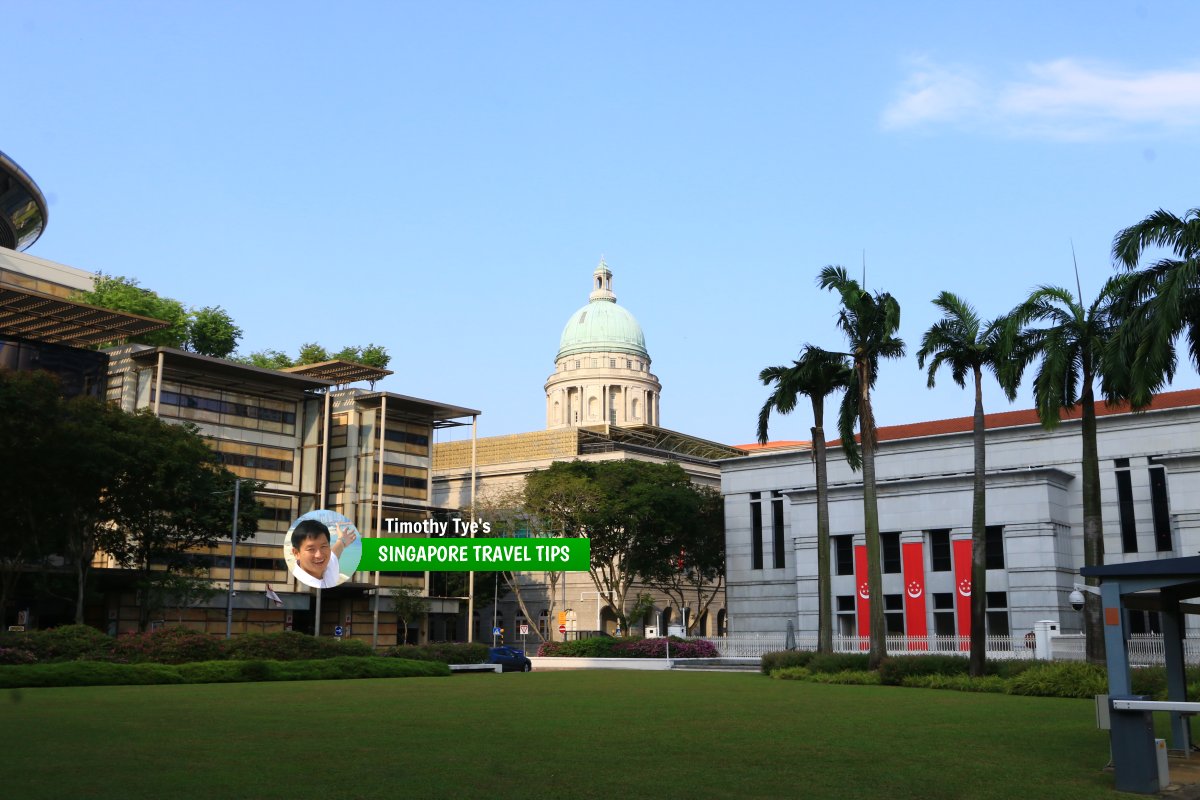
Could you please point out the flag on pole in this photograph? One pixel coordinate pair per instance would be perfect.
(274, 598)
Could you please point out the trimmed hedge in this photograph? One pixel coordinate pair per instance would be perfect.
(444, 652)
(101, 673)
(629, 647)
(785, 659)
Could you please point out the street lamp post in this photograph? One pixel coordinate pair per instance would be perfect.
(237, 493)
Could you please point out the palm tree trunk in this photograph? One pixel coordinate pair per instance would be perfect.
(824, 611)
(978, 539)
(878, 629)
(1093, 523)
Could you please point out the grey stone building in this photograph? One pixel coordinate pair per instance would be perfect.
(1150, 478)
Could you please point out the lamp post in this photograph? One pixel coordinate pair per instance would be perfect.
(237, 493)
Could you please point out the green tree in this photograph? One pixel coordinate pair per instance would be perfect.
(967, 346)
(816, 374)
(212, 332)
(209, 331)
(410, 606)
(686, 562)
(312, 353)
(269, 359)
(1070, 341)
(373, 355)
(869, 322)
(618, 505)
(1159, 303)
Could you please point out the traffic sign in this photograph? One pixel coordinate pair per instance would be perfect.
(562, 628)
(496, 631)
(524, 630)
(337, 630)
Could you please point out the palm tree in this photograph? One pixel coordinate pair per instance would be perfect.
(1160, 303)
(816, 374)
(870, 323)
(1071, 346)
(967, 346)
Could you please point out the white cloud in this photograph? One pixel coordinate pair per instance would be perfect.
(1062, 99)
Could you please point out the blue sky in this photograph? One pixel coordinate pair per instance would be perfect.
(441, 178)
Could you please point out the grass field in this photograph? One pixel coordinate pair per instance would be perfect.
(585, 734)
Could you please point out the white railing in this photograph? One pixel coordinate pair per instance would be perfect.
(1145, 649)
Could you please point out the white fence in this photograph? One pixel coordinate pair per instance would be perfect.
(1144, 649)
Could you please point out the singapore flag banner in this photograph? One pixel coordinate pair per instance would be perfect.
(914, 592)
(862, 594)
(962, 586)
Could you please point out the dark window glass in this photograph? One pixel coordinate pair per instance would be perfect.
(756, 531)
(890, 544)
(845, 602)
(893, 617)
(777, 529)
(843, 554)
(1125, 504)
(939, 550)
(1162, 513)
(994, 547)
(997, 600)
(997, 623)
(406, 438)
(943, 623)
(943, 600)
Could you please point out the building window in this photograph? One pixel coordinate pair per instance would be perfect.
(845, 616)
(994, 547)
(997, 614)
(943, 614)
(612, 363)
(1162, 512)
(1125, 505)
(628, 363)
(1144, 622)
(756, 531)
(893, 614)
(890, 544)
(777, 528)
(843, 554)
(939, 550)
(577, 363)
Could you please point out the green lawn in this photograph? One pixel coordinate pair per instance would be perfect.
(587, 734)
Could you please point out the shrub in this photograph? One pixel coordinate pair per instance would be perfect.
(171, 645)
(282, 646)
(550, 648)
(86, 673)
(893, 671)
(1061, 679)
(444, 652)
(852, 677)
(657, 648)
(962, 683)
(15, 655)
(839, 662)
(67, 643)
(344, 667)
(791, 674)
(595, 647)
(784, 659)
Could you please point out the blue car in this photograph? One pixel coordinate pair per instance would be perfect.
(510, 659)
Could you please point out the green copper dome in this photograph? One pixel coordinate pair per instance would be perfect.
(602, 326)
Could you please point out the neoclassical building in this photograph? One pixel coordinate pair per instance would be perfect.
(602, 403)
(602, 369)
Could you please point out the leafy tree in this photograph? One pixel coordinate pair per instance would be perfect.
(1070, 344)
(817, 374)
(212, 332)
(968, 346)
(618, 505)
(269, 359)
(312, 353)
(869, 323)
(209, 331)
(1159, 303)
(411, 606)
(686, 562)
(373, 355)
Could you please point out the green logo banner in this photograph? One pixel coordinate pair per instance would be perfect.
(475, 555)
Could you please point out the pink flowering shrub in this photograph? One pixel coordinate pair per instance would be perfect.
(657, 648)
(170, 645)
(15, 655)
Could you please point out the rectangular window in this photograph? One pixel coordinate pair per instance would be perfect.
(777, 528)
(612, 363)
(943, 614)
(893, 614)
(994, 547)
(843, 554)
(1144, 622)
(939, 550)
(756, 531)
(845, 617)
(997, 614)
(890, 544)
(1125, 505)
(1162, 513)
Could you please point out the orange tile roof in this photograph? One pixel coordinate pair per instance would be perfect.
(1013, 419)
(779, 444)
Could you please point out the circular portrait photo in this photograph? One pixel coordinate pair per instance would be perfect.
(322, 549)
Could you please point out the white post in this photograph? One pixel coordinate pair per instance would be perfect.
(1043, 631)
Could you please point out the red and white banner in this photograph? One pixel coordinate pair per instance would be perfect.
(914, 590)
(962, 585)
(862, 593)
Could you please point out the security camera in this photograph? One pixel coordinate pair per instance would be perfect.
(1076, 599)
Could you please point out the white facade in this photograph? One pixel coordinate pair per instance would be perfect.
(1150, 481)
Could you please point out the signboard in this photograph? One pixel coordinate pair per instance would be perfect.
(524, 630)
(496, 631)
(562, 618)
(337, 631)
(562, 628)
(16, 628)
